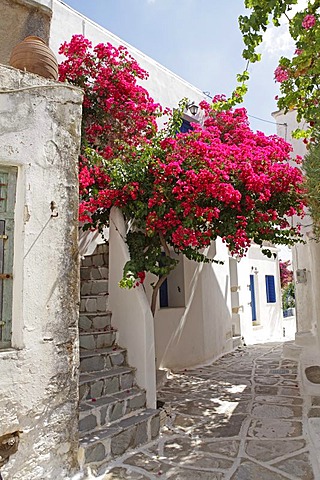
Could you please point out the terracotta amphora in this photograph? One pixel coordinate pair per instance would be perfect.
(34, 56)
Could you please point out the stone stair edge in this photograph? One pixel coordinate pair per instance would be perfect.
(95, 314)
(114, 350)
(113, 397)
(97, 332)
(96, 376)
(118, 426)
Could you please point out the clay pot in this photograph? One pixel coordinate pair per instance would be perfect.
(34, 56)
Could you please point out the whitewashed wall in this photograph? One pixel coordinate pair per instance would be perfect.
(269, 315)
(201, 330)
(40, 128)
(305, 257)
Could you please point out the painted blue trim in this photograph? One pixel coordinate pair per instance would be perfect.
(270, 289)
(163, 294)
(253, 299)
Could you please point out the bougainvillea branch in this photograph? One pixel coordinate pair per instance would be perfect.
(180, 191)
(299, 75)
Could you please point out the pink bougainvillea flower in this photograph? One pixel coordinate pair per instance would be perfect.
(309, 21)
(281, 74)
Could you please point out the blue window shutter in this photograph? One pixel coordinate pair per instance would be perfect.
(164, 298)
(185, 127)
(253, 299)
(270, 289)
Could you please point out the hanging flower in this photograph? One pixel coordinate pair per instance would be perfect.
(309, 21)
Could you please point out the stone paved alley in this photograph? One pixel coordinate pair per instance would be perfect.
(241, 418)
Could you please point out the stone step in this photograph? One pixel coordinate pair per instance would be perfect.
(89, 322)
(108, 409)
(102, 359)
(100, 258)
(99, 447)
(99, 384)
(94, 304)
(94, 273)
(94, 340)
(93, 287)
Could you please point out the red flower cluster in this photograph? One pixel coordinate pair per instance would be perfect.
(118, 113)
(185, 189)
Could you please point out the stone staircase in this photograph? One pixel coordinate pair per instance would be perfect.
(113, 414)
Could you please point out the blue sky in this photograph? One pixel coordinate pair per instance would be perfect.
(197, 39)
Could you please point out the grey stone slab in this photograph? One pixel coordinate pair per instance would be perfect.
(141, 435)
(267, 450)
(265, 380)
(278, 400)
(138, 401)
(183, 474)
(223, 426)
(105, 340)
(202, 461)
(87, 342)
(102, 303)
(127, 380)
(264, 390)
(96, 389)
(95, 453)
(86, 261)
(98, 260)
(111, 386)
(118, 358)
(84, 322)
(124, 440)
(98, 286)
(116, 411)
(101, 321)
(314, 412)
(276, 411)
(251, 471)
(88, 423)
(269, 428)
(289, 392)
(299, 466)
(120, 473)
(148, 463)
(315, 401)
(154, 426)
(186, 423)
(92, 364)
(228, 448)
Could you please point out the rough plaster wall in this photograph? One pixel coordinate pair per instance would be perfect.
(39, 133)
(18, 19)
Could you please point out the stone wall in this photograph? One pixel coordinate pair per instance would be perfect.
(18, 19)
(40, 134)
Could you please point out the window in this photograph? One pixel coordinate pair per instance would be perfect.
(186, 126)
(7, 203)
(171, 294)
(270, 289)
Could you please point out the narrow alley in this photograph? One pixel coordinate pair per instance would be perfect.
(243, 417)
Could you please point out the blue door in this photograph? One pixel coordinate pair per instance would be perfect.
(253, 299)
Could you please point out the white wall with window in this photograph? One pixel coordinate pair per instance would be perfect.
(259, 295)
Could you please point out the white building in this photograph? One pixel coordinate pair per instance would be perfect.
(202, 307)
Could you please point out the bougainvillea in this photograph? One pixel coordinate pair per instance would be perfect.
(179, 190)
(299, 75)
(286, 275)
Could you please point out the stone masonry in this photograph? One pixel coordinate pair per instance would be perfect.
(241, 418)
(113, 414)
